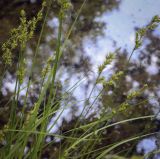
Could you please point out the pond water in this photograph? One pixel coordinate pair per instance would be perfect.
(118, 31)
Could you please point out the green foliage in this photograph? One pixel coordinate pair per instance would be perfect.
(87, 137)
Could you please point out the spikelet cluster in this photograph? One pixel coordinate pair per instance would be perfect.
(21, 71)
(20, 35)
(47, 68)
(65, 5)
(114, 78)
(122, 108)
(112, 81)
(135, 94)
(125, 105)
(109, 58)
(141, 32)
(101, 79)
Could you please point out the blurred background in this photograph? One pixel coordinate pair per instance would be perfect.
(103, 26)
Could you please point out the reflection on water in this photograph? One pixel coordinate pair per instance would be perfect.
(84, 52)
(147, 145)
(120, 27)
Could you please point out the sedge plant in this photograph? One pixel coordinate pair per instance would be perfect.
(25, 136)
